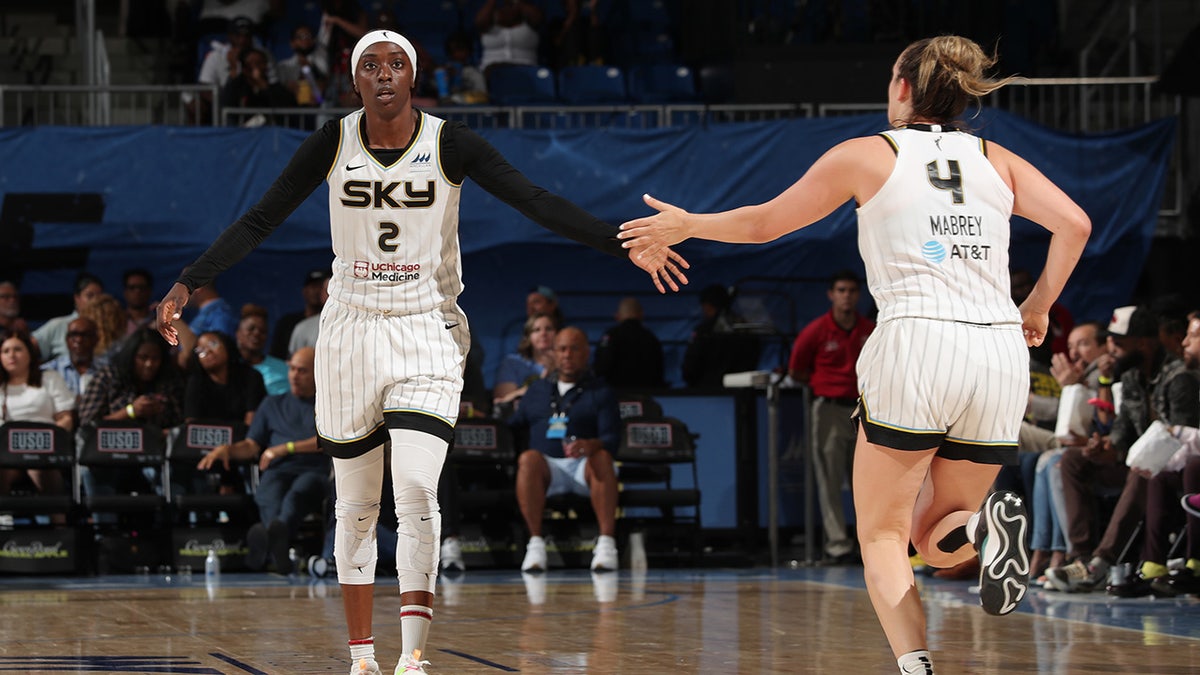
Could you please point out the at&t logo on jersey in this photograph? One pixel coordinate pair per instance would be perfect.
(933, 252)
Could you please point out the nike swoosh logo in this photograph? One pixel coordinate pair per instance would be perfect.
(425, 518)
(451, 325)
(363, 518)
(352, 168)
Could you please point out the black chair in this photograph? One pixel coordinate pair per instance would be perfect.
(483, 462)
(187, 444)
(127, 502)
(31, 547)
(655, 456)
(38, 445)
(202, 516)
(632, 404)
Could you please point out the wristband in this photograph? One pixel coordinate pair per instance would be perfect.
(1105, 381)
(129, 411)
(291, 447)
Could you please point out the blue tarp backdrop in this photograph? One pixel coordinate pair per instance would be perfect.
(169, 191)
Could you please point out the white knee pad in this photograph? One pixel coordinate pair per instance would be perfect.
(354, 546)
(418, 551)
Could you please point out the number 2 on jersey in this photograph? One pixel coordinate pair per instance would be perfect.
(953, 184)
(388, 233)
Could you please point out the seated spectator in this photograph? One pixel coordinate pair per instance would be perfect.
(1163, 516)
(1081, 364)
(51, 337)
(578, 38)
(573, 425)
(10, 308)
(138, 289)
(305, 332)
(1155, 385)
(142, 384)
(221, 386)
(29, 394)
(219, 66)
(465, 82)
(543, 300)
(111, 323)
(251, 344)
(508, 32)
(306, 72)
(314, 295)
(533, 359)
(629, 354)
(715, 347)
(295, 473)
(79, 365)
(251, 88)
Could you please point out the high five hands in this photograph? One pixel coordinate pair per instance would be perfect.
(649, 242)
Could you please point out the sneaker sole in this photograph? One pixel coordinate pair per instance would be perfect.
(1004, 581)
(1183, 501)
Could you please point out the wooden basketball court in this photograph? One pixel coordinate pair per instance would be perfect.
(571, 621)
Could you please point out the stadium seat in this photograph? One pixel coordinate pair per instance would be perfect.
(591, 85)
(661, 83)
(520, 85)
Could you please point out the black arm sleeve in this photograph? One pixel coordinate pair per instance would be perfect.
(307, 168)
(466, 154)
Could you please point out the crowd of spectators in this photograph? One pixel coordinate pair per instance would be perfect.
(293, 53)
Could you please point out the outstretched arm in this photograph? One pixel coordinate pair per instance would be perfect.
(467, 155)
(833, 180)
(302, 175)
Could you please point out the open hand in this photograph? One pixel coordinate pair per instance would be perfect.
(170, 308)
(665, 228)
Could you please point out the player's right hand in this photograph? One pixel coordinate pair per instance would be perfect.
(170, 308)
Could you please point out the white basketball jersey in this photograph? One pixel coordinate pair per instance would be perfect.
(934, 239)
(394, 228)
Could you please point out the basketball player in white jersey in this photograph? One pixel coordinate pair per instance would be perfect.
(945, 376)
(392, 340)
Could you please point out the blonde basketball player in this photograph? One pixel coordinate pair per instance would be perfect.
(392, 340)
(945, 376)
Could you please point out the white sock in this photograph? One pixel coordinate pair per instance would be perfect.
(916, 663)
(414, 627)
(972, 527)
(362, 649)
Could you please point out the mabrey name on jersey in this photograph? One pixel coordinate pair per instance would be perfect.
(364, 194)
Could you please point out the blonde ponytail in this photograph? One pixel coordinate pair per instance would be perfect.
(946, 73)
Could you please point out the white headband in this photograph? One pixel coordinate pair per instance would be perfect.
(382, 36)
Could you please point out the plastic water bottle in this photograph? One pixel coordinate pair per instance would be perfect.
(212, 564)
(637, 551)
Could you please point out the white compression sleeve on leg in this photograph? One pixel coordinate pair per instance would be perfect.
(359, 481)
(417, 459)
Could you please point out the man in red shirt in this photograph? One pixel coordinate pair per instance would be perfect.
(824, 357)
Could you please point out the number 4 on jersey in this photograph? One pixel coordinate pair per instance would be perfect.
(953, 184)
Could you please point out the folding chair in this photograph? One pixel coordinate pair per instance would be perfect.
(31, 547)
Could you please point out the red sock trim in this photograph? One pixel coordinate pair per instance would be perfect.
(416, 612)
(364, 641)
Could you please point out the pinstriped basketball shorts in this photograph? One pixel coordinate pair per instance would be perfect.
(369, 364)
(927, 383)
